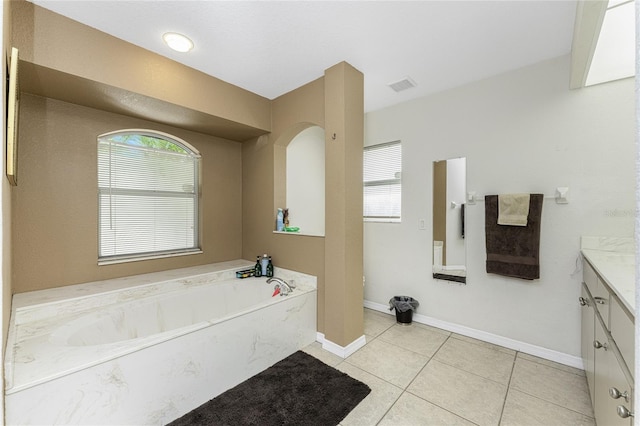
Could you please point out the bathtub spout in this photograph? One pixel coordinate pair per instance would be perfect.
(285, 288)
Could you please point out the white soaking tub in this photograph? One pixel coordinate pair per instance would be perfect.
(149, 348)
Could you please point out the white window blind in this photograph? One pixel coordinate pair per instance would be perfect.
(383, 181)
(147, 196)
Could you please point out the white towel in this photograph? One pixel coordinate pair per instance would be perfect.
(513, 209)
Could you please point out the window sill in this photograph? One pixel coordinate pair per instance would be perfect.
(382, 220)
(298, 233)
(150, 257)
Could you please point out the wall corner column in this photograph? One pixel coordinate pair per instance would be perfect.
(344, 130)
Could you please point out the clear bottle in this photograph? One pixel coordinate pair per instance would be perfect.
(263, 263)
(257, 270)
(269, 268)
(280, 221)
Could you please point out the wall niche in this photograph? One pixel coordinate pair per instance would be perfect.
(300, 178)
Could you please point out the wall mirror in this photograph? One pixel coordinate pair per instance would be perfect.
(449, 195)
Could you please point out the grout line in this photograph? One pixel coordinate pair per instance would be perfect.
(426, 400)
(553, 403)
(506, 394)
(550, 363)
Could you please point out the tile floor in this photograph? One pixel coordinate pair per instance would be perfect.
(420, 375)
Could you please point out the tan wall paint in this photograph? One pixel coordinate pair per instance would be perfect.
(6, 200)
(6, 188)
(54, 41)
(55, 204)
(344, 120)
(263, 177)
(58, 239)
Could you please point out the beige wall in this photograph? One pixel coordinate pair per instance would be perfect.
(334, 102)
(55, 204)
(54, 42)
(263, 162)
(5, 191)
(55, 207)
(344, 115)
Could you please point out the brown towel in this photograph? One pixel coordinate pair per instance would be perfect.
(513, 251)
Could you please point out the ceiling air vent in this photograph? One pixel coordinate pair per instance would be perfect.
(404, 84)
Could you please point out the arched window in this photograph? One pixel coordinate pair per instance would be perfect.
(147, 196)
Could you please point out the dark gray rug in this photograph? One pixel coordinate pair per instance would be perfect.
(299, 390)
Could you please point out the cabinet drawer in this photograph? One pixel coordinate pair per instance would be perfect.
(602, 301)
(623, 332)
(598, 291)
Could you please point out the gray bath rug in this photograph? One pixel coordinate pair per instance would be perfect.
(299, 390)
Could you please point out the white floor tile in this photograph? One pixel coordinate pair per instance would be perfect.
(394, 364)
(450, 379)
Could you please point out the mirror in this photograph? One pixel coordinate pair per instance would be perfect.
(449, 195)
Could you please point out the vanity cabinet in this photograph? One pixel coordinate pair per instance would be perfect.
(607, 350)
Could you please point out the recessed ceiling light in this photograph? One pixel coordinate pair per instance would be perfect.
(178, 42)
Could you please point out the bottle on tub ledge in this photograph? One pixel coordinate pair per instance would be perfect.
(263, 264)
(257, 270)
(280, 220)
(269, 268)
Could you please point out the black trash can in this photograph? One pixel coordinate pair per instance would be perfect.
(404, 306)
(404, 317)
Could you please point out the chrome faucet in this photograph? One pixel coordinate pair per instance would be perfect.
(285, 288)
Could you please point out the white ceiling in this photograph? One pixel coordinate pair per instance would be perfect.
(272, 47)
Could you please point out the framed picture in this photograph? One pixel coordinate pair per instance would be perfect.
(13, 108)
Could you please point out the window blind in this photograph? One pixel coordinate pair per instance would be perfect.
(383, 181)
(147, 200)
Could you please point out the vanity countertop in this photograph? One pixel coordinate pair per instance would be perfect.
(614, 261)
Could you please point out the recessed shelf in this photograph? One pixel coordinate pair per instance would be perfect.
(298, 233)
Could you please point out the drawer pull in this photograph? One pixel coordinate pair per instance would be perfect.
(615, 394)
(599, 345)
(583, 301)
(600, 300)
(624, 412)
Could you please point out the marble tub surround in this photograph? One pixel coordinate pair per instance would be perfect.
(613, 258)
(61, 370)
(219, 271)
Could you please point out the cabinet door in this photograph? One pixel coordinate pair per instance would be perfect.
(608, 374)
(623, 332)
(588, 336)
(598, 291)
(589, 276)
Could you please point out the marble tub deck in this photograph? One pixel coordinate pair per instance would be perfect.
(109, 383)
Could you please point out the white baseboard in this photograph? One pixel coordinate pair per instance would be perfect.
(549, 354)
(341, 351)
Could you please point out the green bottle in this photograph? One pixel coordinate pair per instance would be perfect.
(257, 270)
(269, 268)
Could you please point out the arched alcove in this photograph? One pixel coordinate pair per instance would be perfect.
(300, 177)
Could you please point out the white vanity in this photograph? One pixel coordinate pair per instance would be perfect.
(608, 306)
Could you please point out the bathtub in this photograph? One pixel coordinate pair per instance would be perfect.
(149, 348)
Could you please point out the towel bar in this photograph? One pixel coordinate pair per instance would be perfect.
(560, 196)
